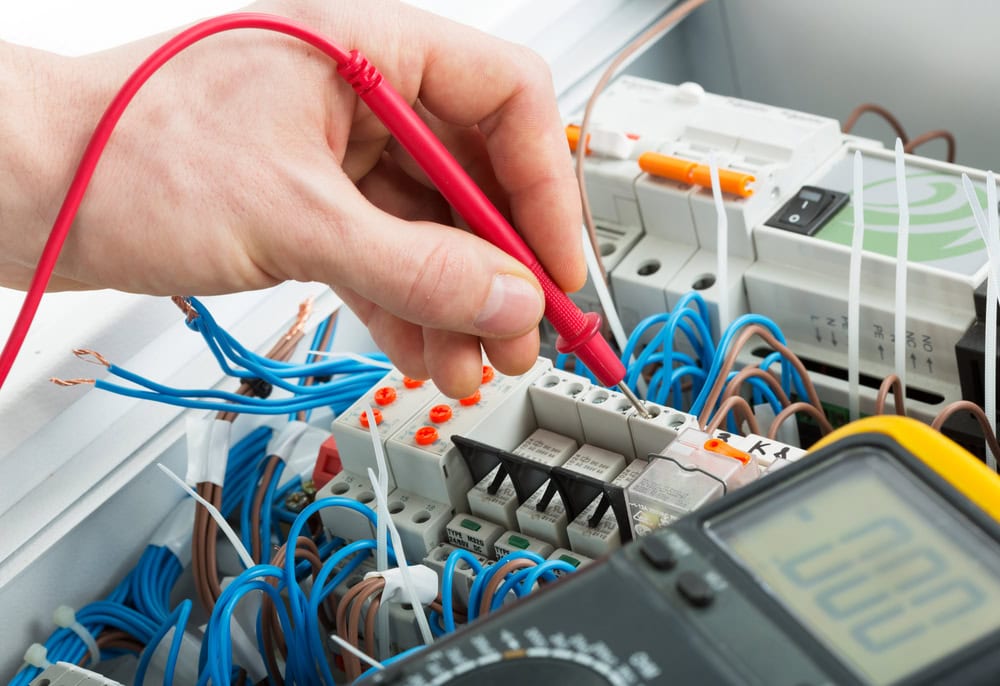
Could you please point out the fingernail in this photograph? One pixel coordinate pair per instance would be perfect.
(514, 305)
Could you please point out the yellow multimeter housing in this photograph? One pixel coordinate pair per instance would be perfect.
(966, 474)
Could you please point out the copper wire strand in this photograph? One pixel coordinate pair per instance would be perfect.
(730, 361)
(891, 384)
(977, 412)
(669, 20)
(185, 306)
(888, 116)
(497, 580)
(70, 382)
(948, 136)
(744, 412)
(91, 357)
(824, 424)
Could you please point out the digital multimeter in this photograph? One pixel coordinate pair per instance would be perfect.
(874, 560)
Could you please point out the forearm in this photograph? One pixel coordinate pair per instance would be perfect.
(43, 123)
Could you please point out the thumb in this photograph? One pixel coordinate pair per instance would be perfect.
(430, 274)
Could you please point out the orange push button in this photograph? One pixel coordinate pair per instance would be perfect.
(488, 374)
(471, 400)
(412, 383)
(425, 435)
(439, 414)
(364, 417)
(385, 395)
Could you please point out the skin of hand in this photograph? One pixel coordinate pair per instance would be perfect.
(246, 161)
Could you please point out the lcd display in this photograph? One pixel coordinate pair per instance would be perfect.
(872, 562)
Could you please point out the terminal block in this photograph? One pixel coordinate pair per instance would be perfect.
(543, 515)
(395, 401)
(495, 497)
(423, 458)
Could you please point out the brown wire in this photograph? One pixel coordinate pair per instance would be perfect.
(271, 634)
(349, 617)
(893, 384)
(853, 117)
(730, 361)
(669, 20)
(371, 617)
(752, 372)
(497, 580)
(739, 404)
(977, 412)
(948, 137)
(824, 424)
(113, 639)
(323, 344)
(258, 504)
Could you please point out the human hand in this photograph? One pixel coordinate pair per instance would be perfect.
(247, 161)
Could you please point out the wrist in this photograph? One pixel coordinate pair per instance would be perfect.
(43, 131)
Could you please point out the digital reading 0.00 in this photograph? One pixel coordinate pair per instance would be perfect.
(873, 564)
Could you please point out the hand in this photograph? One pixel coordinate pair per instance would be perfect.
(247, 161)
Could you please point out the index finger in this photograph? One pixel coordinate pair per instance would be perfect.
(473, 79)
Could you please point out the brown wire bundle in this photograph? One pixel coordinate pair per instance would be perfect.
(732, 389)
(348, 620)
(203, 541)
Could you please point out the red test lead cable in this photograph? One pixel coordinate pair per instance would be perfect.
(579, 333)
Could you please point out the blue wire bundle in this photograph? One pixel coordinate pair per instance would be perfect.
(349, 378)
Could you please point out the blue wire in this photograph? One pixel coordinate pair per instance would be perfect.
(177, 619)
(448, 579)
(482, 579)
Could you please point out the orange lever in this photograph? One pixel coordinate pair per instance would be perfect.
(720, 447)
(686, 171)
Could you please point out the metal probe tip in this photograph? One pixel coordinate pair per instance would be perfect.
(636, 403)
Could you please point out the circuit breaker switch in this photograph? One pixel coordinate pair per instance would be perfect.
(677, 169)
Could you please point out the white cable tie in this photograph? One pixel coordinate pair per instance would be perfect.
(234, 539)
(902, 267)
(65, 617)
(382, 519)
(854, 293)
(424, 578)
(356, 652)
(603, 293)
(352, 356)
(208, 441)
(721, 244)
(283, 442)
(397, 547)
(37, 655)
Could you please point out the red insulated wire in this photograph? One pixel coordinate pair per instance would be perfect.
(579, 333)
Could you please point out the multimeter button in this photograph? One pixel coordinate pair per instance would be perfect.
(694, 589)
(657, 553)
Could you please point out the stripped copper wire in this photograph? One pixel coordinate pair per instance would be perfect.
(185, 306)
(91, 356)
(70, 382)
